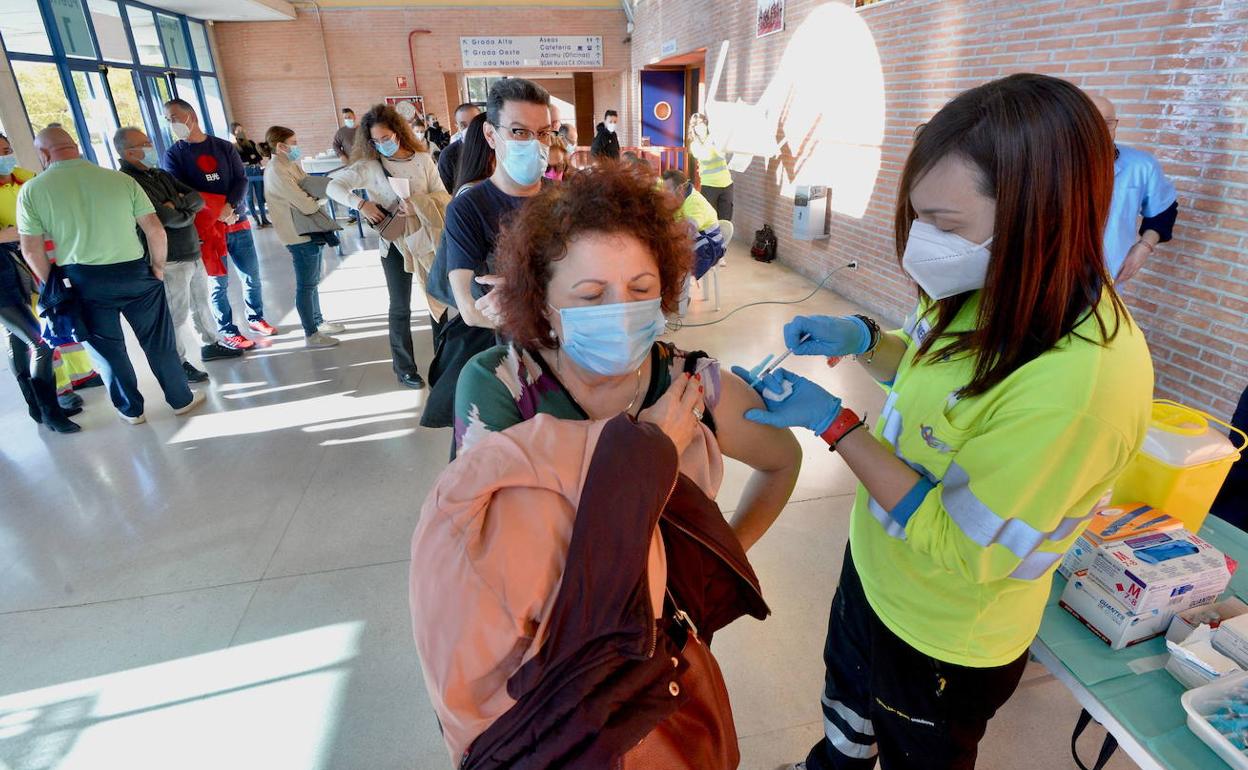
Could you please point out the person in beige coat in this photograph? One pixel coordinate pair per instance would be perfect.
(282, 180)
(388, 159)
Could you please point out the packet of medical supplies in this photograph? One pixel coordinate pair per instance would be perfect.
(1110, 523)
(1231, 639)
(1106, 616)
(1195, 661)
(1169, 571)
(1212, 615)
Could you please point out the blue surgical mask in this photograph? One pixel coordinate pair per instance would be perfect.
(7, 164)
(150, 158)
(294, 153)
(388, 148)
(349, 122)
(525, 161)
(611, 340)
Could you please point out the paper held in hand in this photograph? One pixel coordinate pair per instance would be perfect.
(402, 186)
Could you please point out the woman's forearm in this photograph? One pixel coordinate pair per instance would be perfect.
(765, 496)
(886, 477)
(887, 358)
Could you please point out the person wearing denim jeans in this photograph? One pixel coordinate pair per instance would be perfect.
(281, 179)
(306, 258)
(247, 264)
(208, 164)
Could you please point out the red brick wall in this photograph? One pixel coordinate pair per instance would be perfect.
(276, 71)
(1177, 69)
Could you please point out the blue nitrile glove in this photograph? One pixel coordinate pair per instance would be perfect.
(828, 336)
(792, 402)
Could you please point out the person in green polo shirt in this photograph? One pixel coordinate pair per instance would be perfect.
(90, 213)
(1017, 392)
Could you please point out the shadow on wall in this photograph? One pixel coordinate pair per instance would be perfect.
(820, 120)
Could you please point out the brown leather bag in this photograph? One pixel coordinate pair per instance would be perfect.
(701, 735)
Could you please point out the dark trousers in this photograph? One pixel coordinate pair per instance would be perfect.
(255, 197)
(721, 199)
(24, 337)
(108, 292)
(883, 696)
(399, 287)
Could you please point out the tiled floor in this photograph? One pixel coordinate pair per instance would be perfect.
(229, 590)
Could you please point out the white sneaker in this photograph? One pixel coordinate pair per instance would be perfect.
(329, 327)
(197, 398)
(319, 340)
(132, 420)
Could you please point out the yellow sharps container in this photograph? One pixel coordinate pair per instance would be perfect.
(1182, 464)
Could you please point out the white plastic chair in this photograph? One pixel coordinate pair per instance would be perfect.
(726, 229)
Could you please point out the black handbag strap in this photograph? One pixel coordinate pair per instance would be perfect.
(1108, 747)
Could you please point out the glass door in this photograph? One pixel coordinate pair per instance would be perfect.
(155, 91)
(97, 108)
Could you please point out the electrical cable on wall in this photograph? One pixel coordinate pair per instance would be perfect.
(678, 324)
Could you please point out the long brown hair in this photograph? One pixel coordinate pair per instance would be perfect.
(1044, 154)
(385, 115)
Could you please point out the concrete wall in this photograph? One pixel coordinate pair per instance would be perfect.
(277, 71)
(1178, 70)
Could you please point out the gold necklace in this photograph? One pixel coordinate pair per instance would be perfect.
(628, 409)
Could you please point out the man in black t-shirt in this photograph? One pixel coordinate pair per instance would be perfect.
(518, 128)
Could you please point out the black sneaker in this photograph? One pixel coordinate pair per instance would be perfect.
(413, 380)
(70, 400)
(216, 350)
(193, 374)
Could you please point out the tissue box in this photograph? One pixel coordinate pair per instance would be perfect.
(1110, 523)
(1168, 571)
(1108, 617)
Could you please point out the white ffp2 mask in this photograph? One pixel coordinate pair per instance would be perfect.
(945, 264)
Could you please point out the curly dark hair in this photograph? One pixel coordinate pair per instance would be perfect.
(613, 199)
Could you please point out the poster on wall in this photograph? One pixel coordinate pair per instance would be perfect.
(770, 17)
(407, 106)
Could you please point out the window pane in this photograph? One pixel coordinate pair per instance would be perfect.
(71, 22)
(109, 31)
(216, 108)
(175, 42)
(45, 101)
(185, 88)
(125, 97)
(476, 89)
(143, 27)
(203, 53)
(22, 27)
(158, 88)
(99, 114)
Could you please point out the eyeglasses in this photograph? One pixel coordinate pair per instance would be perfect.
(545, 136)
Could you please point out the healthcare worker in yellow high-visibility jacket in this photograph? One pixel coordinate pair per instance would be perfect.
(1017, 392)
